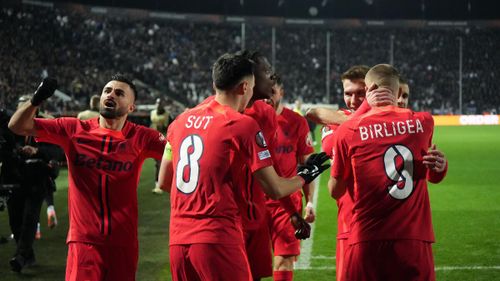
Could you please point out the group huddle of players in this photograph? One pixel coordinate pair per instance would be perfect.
(235, 166)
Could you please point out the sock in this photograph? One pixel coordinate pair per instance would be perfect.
(283, 275)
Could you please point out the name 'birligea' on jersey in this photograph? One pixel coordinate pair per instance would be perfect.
(389, 129)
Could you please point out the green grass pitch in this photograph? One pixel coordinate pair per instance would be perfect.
(465, 209)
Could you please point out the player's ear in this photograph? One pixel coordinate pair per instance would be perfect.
(242, 88)
(131, 108)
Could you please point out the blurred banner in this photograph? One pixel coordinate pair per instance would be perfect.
(464, 120)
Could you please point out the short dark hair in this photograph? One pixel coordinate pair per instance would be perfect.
(230, 69)
(402, 80)
(255, 56)
(122, 78)
(355, 72)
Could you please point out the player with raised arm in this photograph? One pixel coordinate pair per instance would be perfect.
(104, 156)
(206, 146)
(391, 217)
(292, 147)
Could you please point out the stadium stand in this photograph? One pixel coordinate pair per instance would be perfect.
(82, 49)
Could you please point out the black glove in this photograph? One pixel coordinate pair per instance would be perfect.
(313, 167)
(44, 91)
(302, 228)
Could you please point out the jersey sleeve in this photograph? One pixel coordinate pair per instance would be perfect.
(327, 135)
(341, 164)
(57, 131)
(154, 145)
(251, 144)
(433, 176)
(304, 145)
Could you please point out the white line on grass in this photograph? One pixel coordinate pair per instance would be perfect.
(304, 261)
(322, 258)
(437, 268)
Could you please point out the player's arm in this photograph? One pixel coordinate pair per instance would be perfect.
(326, 116)
(277, 187)
(436, 163)
(166, 173)
(22, 122)
(308, 190)
(336, 186)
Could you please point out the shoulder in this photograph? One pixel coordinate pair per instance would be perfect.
(425, 116)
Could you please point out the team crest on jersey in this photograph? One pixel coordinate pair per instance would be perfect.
(259, 139)
(161, 137)
(309, 141)
(326, 131)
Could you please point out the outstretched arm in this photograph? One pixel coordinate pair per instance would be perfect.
(326, 116)
(277, 187)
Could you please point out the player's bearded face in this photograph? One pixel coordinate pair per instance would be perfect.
(116, 100)
(112, 112)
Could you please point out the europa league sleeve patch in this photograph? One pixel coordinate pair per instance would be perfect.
(259, 139)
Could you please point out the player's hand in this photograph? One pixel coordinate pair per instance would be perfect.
(376, 96)
(28, 150)
(45, 90)
(435, 160)
(302, 228)
(313, 167)
(51, 216)
(310, 215)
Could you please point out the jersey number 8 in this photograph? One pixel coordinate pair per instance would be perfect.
(188, 167)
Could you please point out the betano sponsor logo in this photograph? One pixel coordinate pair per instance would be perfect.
(82, 160)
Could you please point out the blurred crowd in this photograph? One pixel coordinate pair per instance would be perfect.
(82, 50)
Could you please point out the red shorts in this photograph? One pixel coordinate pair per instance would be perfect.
(342, 246)
(99, 262)
(258, 248)
(194, 262)
(282, 233)
(409, 260)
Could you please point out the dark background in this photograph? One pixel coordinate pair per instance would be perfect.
(365, 9)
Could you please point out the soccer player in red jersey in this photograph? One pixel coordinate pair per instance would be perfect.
(104, 156)
(292, 147)
(353, 82)
(206, 145)
(385, 152)
(254, 212)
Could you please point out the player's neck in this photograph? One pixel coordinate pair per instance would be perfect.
(233, 101)
(279, 110)
(112, 124)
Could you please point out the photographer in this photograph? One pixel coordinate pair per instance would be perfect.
(25, 203)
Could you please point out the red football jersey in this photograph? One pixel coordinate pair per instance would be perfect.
(253, 207)
(382, 151)
(292, 143)
(344, 203)
(327, 133)
(207, 143)
(103, 174)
